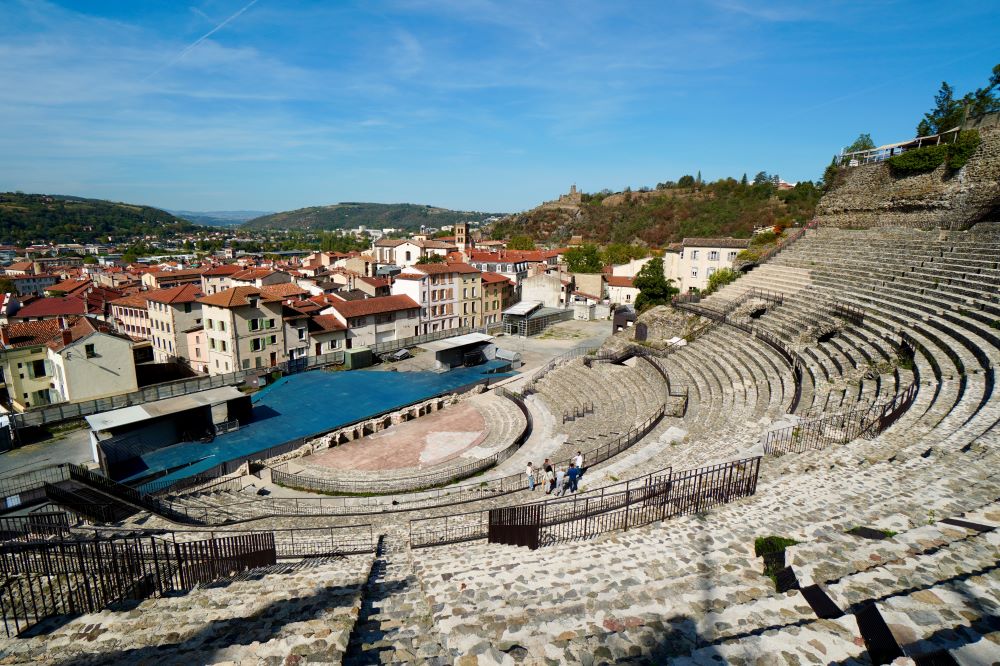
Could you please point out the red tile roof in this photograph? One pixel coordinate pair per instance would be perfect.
(378, 305)
(79, 329)
(619, 281)
(184, 293)
(136, 300)
(70, 286)
(29, 333)
(283, 291)
(328, 323)
(233, 298)
(440, 269)
(222, 269)
(491, 278)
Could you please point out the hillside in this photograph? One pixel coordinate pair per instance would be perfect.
(658, 217)
(219, 218)
(377, 216)
(27, 218)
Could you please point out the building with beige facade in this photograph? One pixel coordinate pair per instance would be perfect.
(173, 312)
(690, 265)
(63, 360)
(244, 330)
(498, 295)
(374, 320)
(449, 295)
(130, 315)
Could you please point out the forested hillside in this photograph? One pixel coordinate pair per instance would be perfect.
(668, 213)
(27, 218)
(372, 215)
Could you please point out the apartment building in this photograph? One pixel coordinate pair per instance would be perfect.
(130, 315)
(173, 312)
(405, 253)
(167, 279)
(449, 295)
(243, 328)
(696, 259)
(498, 295)
(63, 360)
(373, 320)
(217, 278)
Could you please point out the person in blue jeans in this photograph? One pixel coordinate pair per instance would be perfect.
(573, 474)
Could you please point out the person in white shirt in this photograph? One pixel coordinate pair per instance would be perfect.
(530, 473)
(578, 461)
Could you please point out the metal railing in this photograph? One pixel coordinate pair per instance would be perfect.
(412, 341)
(851, 313)
(815, 434)
(412, 483)
(531, 385)
(655, 496)
(44, 579)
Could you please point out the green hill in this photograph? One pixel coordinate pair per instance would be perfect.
(662, 216)
(349, 215)
(27, 218)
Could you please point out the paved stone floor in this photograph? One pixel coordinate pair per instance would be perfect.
(423, 442)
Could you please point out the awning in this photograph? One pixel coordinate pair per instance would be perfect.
(457, 341)
(523, 308)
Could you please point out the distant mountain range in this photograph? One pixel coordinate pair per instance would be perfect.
(349, 215)
(220, 218)
(29, 218)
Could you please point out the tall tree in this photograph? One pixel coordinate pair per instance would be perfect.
(863, 142)
(761, 178)
(654, 287)
(584, 259)
(521, 243)
(743, 180)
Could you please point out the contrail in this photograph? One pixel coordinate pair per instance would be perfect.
(198, 41)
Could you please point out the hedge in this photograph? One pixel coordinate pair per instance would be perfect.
(928, 158)
(960, 151)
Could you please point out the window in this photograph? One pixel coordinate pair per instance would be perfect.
(257, 344)
(272, 339)
(222, 324)
(36, 369)
(211, 343)
(246, 364)
(694, 272)
(187, 307)
(732, 256)
(302, 334)
(223, 347)
(209, 324)
(710, 271)
(254, 324)
(90, 350)
(270, 323)
(694, 254)
(713, 255)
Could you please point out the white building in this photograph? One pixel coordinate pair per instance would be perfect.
(690, 265)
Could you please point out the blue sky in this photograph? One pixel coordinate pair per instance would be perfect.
(468, 104)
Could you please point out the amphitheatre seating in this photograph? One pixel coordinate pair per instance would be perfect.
(626, 591)
(691, 590)
(305, 608)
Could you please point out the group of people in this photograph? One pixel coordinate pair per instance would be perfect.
(556, 481)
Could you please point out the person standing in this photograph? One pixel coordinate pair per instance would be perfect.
(573, 476)
(578, 461)
(560, 477)
(550, 479)
(530, 473)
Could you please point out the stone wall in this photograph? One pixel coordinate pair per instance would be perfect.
(871, 196)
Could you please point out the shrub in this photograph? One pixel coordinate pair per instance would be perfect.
(721, 278)
(764, 238)
(920, 160)
(960, 151)
(748, 255)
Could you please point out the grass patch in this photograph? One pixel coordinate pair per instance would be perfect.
(772, 544)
